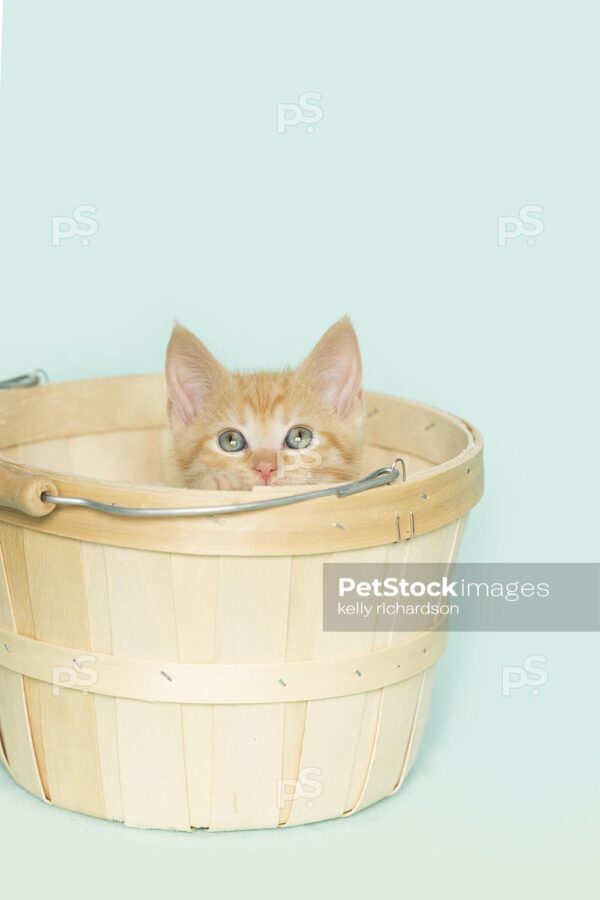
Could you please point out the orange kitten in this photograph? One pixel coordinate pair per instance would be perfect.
(234, 431)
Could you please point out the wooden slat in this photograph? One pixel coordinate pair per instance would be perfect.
(304, 624)
(375, 457)
(419, 723)
(332, 727)
(400, 703)
(70, 408)
(328, 752)
(15, 733)
(248, 740)
(105, 707)
(17, 581)
(68, 720)
(150, 737)
(133, 457)
(397, 554)
(3, 756)
(427, 432)
(395, 724)
(18, 617)
(195, 583)
(52, 454)
(448, 553)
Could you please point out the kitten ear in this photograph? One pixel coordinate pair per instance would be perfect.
(191, 372)
(335, 366)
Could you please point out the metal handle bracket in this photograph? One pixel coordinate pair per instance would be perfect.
(32, 379)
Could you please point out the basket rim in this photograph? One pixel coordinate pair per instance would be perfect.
(424, 502)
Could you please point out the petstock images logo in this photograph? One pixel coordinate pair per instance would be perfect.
(466, 597)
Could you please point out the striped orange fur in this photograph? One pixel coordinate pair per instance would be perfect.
(323, 397)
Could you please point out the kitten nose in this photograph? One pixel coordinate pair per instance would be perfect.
(266, 469)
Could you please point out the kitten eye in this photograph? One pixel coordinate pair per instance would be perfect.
(232, 441)
(298, 437)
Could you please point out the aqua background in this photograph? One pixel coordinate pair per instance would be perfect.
(437, 119)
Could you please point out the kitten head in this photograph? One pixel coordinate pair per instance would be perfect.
(233, 430)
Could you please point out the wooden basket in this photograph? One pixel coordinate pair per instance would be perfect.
(174, 673)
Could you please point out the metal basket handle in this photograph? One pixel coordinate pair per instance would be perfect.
(377, 478)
